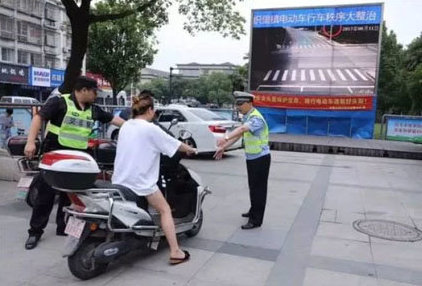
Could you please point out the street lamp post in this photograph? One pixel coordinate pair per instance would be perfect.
(170, 82)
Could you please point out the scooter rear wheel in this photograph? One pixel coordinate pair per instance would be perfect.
(82, 264)
(196, 227)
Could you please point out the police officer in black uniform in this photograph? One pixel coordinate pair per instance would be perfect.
(64, 114)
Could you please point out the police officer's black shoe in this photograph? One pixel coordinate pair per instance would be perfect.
(245, 214)
(32, 241)
(250, 225)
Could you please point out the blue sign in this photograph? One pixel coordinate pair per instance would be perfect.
(57, 77)
(304, 17)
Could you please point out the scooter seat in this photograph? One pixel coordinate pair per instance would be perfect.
(127, 193)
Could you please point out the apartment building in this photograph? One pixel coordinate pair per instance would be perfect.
(34, 32)
(35, 38)
(149, 74)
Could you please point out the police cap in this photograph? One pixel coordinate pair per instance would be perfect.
(241, 96)
(83, 81)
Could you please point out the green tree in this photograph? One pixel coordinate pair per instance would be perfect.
(218, 88)
(239, 78)
(413, 54)
(120, 49)
(178, 87)
(415, 89)
(160, 88)
(201, 15)
(413, 69)
(392, 95)
(192, 89)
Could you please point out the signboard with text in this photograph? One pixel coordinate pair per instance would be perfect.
(313, 102)
(404, 129)
(101, 81)
(324, 55)
(40, 77)
(13, 74)
(57, 77)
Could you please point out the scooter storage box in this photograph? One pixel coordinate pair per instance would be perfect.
(69, 169)
(16, 145)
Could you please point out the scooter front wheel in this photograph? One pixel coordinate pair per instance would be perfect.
(82, 263)
(196, 227)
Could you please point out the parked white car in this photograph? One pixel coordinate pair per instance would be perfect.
(204, 125)
(18, 100)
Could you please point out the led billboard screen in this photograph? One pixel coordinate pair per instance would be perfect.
(322, 58)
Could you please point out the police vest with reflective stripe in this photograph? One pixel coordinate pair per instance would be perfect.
(255, 144)
(76, 126)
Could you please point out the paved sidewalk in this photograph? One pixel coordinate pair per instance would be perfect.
(346, 146)
(307, 237)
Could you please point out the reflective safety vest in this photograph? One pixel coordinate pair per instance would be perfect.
(255, 144)
(76, 126)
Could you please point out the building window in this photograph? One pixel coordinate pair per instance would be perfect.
(23, 57)
(50, 39)
(51, 13)
(50, 62)
(50, 23)
(29, 33)
(24, 6)
(34, 35)
(36, 60)
(8, 3)
(6, 27)
(22, 31)
(37, 8)
(7, 55)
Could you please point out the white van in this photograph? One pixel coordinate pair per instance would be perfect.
(18, 100)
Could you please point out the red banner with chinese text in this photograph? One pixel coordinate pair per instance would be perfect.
(102, 82)
(332, 102)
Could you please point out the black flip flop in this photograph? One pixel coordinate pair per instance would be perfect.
(175, 261)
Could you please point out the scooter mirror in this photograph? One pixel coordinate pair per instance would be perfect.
(173, 122)
(184, 134)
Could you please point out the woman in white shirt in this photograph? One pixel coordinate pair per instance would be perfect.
(137, 164)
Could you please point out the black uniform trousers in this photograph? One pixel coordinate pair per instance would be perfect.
(258, 170)
(43, 206)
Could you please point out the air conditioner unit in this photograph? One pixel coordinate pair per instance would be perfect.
(66, 50)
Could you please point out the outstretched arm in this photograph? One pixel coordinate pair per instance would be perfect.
(232, 137)
(118, 121)
(228, 140)
(187, 149)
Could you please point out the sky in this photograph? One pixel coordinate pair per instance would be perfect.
(176, 46)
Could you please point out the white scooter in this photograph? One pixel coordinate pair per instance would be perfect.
(106, 221)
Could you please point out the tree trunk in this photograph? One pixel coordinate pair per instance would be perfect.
(79, 45)
(79, 21)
